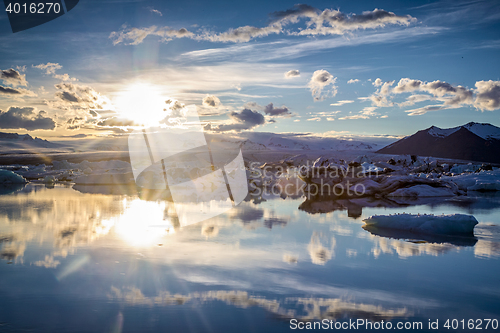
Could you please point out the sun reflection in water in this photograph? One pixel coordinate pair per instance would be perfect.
(143, 223)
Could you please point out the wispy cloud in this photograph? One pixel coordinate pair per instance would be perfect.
(339, 103)
(287, 49)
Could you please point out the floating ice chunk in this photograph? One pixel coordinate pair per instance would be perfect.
(362, 159)
(49, 180)
(423, 191)
(62, 165)
(9, 177)
(106, 179)
(485, 186)
(465, 181)
(297, 160)
(455, 224)
(368, 167)
(460, 168)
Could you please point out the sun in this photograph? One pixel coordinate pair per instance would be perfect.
(143, 103)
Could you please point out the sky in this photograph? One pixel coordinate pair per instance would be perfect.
(328, 68)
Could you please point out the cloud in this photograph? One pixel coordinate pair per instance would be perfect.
(211, 101)
(77, 97)
(293, 14)
(487, 95)
(13, 77)
(116, 122)
(75, 123)
(292, 73)
(320, 255)
(300, 48)
(25, 118)
(16, 92)
(358, 116)
(49, 68)
(416, 98)
(352, 81)
(326, 22)
(339, 103)
(273, 111)
(155, 11)
(49, 262)
(334, 22)
(366, 113)
(244, 120)
(451, 96)
(64, 77)
(241, 34)
(319, 81)
(425, 109)
(135, 36)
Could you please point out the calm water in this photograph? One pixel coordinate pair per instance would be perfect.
(89, 262)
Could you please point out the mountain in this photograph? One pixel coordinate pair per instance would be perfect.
(13, 142)
(300, 141)
(472, 141)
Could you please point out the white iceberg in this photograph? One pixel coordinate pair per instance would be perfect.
(485, 186)
(423, 191)
(455, 224)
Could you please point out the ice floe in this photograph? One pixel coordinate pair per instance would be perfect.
(455, 224)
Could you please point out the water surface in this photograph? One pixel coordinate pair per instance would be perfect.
(97, 259)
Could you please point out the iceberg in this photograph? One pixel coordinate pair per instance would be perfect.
(454, 224)
(9, 177)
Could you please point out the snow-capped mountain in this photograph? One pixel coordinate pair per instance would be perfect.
(299, 141)
(485, 131)
(10, 141)
(472, 141)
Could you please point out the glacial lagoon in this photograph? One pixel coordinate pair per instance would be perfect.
(96, 258)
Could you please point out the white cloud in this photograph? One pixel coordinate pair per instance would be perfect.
(292, 73)
(451, 96)
(342, 102)
(358, 116)
(211, 101)
(320, 80)
(352, 81)
(49, 68)
(326, 22)
(487, 95)
(155, 11)
(12, 77)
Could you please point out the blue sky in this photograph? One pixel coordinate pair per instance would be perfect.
(354, 68)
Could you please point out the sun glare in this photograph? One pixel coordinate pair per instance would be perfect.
(142, 103)
(142, 229)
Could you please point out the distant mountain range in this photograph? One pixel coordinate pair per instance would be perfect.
(472, 141)
(14, 141)
(299, 141)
